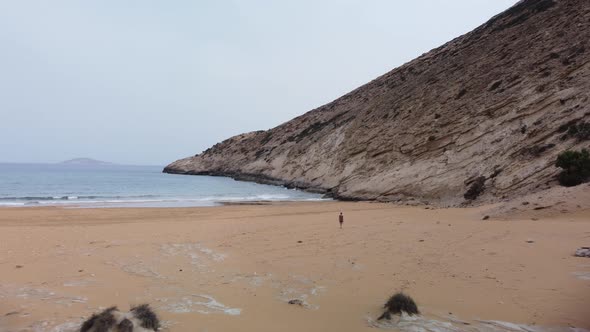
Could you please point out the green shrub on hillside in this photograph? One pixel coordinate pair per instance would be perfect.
(580, 130)
(576, 167)
(476, 188)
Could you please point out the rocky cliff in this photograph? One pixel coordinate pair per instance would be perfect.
(481, 117)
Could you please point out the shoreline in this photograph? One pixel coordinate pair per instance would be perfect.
(260, 179)
(197, 266)
(159, 204)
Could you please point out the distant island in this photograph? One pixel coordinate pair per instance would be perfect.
(85, 161)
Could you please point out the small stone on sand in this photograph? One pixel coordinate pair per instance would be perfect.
(296, 302)
(583, 252)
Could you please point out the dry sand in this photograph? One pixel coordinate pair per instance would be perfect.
(234, 268)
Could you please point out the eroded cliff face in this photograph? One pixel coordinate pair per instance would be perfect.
(490, 108)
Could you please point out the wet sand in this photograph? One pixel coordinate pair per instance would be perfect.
(234, 268)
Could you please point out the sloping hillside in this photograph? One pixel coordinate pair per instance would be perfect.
(492, 107)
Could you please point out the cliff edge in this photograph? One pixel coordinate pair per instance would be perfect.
(489, 110)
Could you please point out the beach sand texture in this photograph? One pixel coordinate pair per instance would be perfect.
(234, 268)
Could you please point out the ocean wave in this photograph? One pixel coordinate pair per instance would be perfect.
(143, 200)
(70, 197)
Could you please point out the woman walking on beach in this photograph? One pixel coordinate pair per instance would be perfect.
(341, 219)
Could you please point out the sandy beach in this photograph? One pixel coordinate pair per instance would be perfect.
(234, 268)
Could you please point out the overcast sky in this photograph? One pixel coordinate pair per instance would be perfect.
(149, 82)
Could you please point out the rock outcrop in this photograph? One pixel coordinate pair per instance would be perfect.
(477, 119)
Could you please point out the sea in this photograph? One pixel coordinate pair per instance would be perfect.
(79, 186)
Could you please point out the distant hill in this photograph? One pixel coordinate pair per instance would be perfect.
(85, 161)
(485, 114)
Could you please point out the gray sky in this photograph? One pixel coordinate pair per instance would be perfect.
(149, 82)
